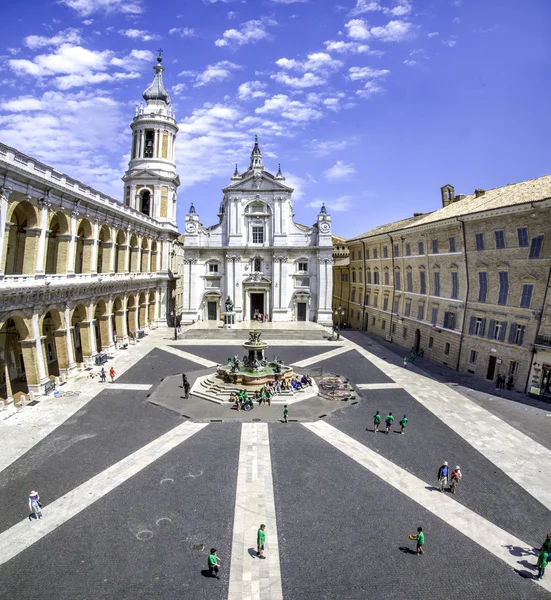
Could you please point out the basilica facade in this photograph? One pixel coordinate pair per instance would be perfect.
(256, 255)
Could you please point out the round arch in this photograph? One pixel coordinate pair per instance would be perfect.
(21, 243)
(57, 246)
(13, 371)
(83, 247)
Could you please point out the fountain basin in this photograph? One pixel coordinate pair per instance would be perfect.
(245, 376)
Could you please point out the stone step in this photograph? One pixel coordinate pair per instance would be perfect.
(267, 334)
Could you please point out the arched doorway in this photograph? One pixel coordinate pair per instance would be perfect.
(22, 244)
(57, 244)
(417, 341)
(54, 347)
(13, 376)
(102, 328)
(83, 247)
(81, 334)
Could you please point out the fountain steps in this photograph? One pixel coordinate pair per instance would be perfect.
(268, 334)
(211, 389)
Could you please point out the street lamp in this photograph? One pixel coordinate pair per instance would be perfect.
(339, 314)
(173, 315)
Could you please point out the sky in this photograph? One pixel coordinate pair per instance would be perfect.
(369, 105)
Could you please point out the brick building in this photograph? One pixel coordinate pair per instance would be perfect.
(466, 283)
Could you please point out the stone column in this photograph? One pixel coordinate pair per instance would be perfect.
(41, 242)
(35, 354)
(30, 260)
(62, 351)
(112, 251)
(70, 344)
(106, 333)
(89, 256)
(163, 299)
(164, 256)
(122, 329)
(72, 247)
(4, 228)
(4, 249)
(87, 343)
(63, 253)
(93, 250)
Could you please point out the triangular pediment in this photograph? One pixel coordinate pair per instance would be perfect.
(254, 181)
(257, 278)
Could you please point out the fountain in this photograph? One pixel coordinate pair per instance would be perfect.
(254, 369)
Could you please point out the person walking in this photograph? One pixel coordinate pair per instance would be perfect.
(35, 506)
(403, 423)
(184, 377)
(112, 374)
(214, 562)
(186, 387)
(376, 421)
(420, 537)
(285, 414)
(543, 559)
(388, 422)
(455, 478)
(443, 476)
(260, 541)
(103, 375)
(405, 362)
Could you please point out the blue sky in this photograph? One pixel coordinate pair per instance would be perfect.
(369, 105)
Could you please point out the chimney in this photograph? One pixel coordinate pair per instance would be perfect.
(479, 192)
(459, 197)
(447, 194)
(418, 214)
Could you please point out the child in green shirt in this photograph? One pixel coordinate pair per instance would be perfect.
(543, 559)
(376, 421)
(285, 413)
(403, 423)
(213, 561)
(420, 537)
(260, 540)
(388, 420)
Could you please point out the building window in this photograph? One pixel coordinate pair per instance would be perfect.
(353, 276)
(396, 250)
(353, 296)
(535, 247)
(449, 320)
(421, 248)
(385, 252)
(434, 315)
(383, 324)
(422, 283)
(408, 249)
(513, 368)
(405, 332)
(526, 298)
(409, 280)
(360, 276)
(473, 356)
(482, 286)
(213, 267)
(385, 303)
(516, 334)
(500, 240)
(302, 266)
(407, 309)
(447, 348)
(420, 311)
(396, 304)
(431, 342)
(359, 255)
(455, 284)
(437, 283)
(452, 244)
(393, 328)
(477, 326)
(374, 252)
(522, 234)
(376, 277)
(479, 237)
(368, 276)
(258, 235)
(367, 253)
(503, 287)
(435, 246)
(375, 301)
(496, 330)
(397, 280)
(149, 143)
(366, 300)
(353, 255)
(373, 320)
(387, 279)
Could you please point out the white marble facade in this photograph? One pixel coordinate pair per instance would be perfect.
(257, 255)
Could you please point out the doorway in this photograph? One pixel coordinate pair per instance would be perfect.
(546, 380)
(417, 341)
(212, 311)
(491, 368)
(301, 311)
(257, 304)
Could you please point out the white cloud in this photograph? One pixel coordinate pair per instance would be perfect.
(287, 1)
(87, 21)
(232, 14)
(220, 71)
(133, 61)
(433, 34)
(358, 29)
(251, 89)
(139, 34)
(450, 43)
(328, 147)
(250, 32)
(360, 73)
(85, 8)
(363, 6)
(338, 204)
(297, 183)
(183, 31)
(340, 171)
(393, 31)
(410, 63)
(68, 36)
(341, 46)
(315, 70)
(14, 51)
(402, 8)
(66, 82)
(370, 89)
(293, 110)
(177, 89)
(304, 81)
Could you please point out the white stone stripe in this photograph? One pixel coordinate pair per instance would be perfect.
(378, 386)
(193, 357)
(485, 534)
(319, 357)
(517, 455)
(127, 386)
(253, 578)
(23, 535)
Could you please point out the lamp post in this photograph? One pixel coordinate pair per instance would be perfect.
(173, 315)
(339, 314)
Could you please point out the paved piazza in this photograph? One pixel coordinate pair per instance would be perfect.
(134, 494)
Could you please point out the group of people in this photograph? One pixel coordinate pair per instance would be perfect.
(103, 375)
(502, 382)
(258, 316)
(445, 477)
(389, 419)
(243, 401)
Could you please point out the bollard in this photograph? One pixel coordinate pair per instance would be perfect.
(31, 396)
(2, 404)
(23, 399)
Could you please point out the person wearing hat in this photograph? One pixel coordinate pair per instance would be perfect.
(443, 476)
(34, 505)
(403, 423)
(455, 478)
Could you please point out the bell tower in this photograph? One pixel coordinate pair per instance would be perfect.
(151, 180)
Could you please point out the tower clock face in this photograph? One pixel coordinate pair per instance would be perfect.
(325, 227)
(190, 227)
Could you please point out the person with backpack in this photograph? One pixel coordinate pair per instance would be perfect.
(455, 478)
(443, 472)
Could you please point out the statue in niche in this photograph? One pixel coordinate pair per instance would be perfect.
(229, 305)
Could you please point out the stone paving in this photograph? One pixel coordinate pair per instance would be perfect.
(134, 495)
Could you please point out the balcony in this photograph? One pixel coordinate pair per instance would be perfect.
(543, 340)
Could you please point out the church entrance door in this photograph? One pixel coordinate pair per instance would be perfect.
(211, 311)
(257, 304)
(301, 311)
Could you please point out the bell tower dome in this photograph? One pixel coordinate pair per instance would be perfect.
(151, 180)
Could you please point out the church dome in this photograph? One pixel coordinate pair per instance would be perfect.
(157, 90)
